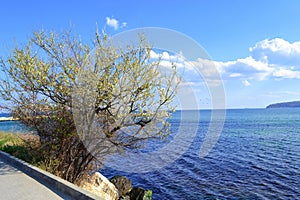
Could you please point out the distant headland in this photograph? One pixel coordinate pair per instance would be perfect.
(8, 119)
(292, 104)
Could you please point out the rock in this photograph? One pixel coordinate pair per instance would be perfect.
(101, 186)
(124, 197)
(138, 193)
(123, 184)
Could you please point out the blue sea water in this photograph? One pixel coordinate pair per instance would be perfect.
(256, 157)
(12, 126)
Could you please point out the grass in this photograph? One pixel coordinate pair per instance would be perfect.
(9, 139)
(20, 146)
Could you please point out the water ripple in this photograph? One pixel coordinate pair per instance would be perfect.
(257, 157)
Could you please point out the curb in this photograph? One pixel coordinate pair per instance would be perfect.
(44, 177)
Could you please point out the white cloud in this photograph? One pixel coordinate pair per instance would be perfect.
(285, 73)
(114, 23)
(201, 70)
(246, 83)
(207, 68)
(234, 75)
(166, 56)
(245, 67)
(124, 24)
(166, 63)
(154, 55)
(277, 45)
(275, 58)
(167, 60)
(277, 51)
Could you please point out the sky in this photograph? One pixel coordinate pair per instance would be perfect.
(254, 44)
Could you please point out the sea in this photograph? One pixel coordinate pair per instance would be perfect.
(12, 126)
(256, 156)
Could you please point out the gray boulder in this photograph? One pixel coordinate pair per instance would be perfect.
(101, 186)
(123, 184)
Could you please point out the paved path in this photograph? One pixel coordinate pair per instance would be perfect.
(14, 184)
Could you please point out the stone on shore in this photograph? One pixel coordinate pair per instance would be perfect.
(123, 184)
(101, 186)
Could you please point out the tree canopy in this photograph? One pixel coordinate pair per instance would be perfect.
(87, 101)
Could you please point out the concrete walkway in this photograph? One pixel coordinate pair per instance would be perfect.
(15, 184)
(20, 180)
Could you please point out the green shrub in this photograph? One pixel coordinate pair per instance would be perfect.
(21, 148)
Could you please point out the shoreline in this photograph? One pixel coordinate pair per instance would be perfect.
(8, 119)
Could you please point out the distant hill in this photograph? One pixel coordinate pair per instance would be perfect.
(292, 104)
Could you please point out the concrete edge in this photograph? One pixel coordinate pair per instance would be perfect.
(42, 176)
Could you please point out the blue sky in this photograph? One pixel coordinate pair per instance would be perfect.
(254, 44)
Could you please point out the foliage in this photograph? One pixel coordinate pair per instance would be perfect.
(82, 107)
(10, 139)
(148, 195)
(20, 147)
